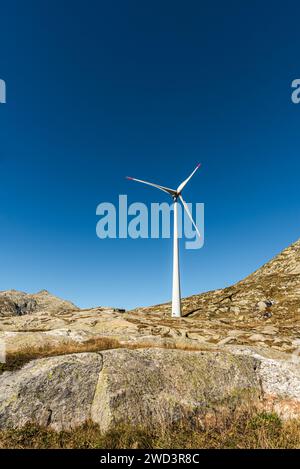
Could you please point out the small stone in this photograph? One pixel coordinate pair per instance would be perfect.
(196, 336)
(270, 330)
(235, 310)
(227, 340)
(257, 338)
(261, 306)
(267, 315)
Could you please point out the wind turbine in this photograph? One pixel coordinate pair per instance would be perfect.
(175, 194)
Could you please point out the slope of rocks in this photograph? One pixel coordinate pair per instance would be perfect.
(273, 291)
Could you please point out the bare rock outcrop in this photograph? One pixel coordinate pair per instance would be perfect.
(148, 387)
(56, 392)
(158, 387)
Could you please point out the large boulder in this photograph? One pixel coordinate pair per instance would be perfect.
(56, 392)
(280, 382)
(160, 387)
(147, 387)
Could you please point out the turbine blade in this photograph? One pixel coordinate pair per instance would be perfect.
(184, 183)
(189, 215)
(162, 188)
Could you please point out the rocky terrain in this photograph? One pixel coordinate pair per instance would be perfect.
(234, 345)
(16, 303)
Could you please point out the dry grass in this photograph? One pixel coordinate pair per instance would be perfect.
(167, 345)
(260, 430)
(16, 360)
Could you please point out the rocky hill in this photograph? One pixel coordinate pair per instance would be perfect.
(16, 303)
(273, 291)
(66, 366)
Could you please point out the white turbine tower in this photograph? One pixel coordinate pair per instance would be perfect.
(175, 194)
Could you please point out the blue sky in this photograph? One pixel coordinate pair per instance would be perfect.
(100, 90)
